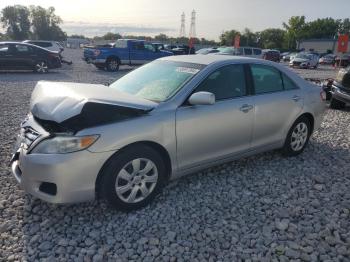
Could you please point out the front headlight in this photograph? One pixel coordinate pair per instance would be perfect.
(64, 144)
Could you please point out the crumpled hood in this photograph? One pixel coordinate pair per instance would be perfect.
(75, 106)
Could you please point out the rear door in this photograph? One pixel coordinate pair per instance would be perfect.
(207, 133)
(25, 56)
(138, 53)
(5, 57)
(278, 101)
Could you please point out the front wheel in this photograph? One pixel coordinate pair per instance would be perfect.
(112, 65)
(132, 178)
(41, 67)
(297, 137)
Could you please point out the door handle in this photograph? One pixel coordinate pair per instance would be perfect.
(296, 98)
(245, 108)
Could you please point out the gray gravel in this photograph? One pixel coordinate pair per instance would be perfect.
(261, 208)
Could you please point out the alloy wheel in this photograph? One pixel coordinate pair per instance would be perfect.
(136, 180)
(41, 67)
(299, 136)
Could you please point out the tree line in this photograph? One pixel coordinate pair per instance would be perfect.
(294, 30)
(33, 22)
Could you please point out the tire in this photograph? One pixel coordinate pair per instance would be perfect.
(300, 131)
(41, 67)
(112, 64)
(124, 171)
(336, 104)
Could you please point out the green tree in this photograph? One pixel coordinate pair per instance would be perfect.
(227, 37)
(77, 36)
(15, 20)
(161, 38)
(248, 38)
(321, 28)
(344, 27)
(272, 38)
(295, 30)
(45, 24)
(111, 36)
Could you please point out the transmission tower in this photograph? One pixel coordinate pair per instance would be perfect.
(182, 29)
(193, 24)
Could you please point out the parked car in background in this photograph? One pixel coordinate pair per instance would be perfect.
(327, 59)
(289, 57)
(283, 55)
(159, 46)
(49, 45)
(23, 56)
(342, 60)
(304, 60)
(168, 118)
(205, 51)
(253, 52)
(340, 89)
(124, 52)
(180, 49)
(272, 55)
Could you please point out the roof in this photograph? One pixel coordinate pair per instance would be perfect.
(207, 59)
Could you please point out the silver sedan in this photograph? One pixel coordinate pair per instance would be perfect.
(168, 118)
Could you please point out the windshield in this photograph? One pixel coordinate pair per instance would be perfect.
(157, 81)
(303, 56)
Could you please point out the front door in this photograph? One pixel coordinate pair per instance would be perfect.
(138, 53)
(212, 132)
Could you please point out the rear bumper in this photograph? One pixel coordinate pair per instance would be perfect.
(59, 178)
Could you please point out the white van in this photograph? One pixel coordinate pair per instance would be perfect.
(254, 52)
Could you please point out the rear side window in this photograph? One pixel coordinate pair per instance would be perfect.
(225, 83)
(121, 44)
(266, 79)
(138, 46)
(248, 51)
(288, 83)
(4, 49)
(257, 51)
(23, 48)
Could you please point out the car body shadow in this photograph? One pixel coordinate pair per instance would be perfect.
(231, 195)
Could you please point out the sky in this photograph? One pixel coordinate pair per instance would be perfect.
(151, 17)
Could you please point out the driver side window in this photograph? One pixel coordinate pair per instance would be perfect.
(225, 83)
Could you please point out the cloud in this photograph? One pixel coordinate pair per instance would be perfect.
(99, 29)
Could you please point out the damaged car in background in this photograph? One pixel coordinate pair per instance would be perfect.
(168, 118)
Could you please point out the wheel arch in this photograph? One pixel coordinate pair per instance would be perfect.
(156, 146)
(310, 117)
(113, 57)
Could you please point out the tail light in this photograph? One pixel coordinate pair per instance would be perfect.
(323, 95)
(97, 52)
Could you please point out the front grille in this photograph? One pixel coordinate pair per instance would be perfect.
(296, 63)
(29, 135)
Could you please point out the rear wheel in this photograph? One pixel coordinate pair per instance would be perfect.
(41, 67)
(112, 64)
(297, 137)
(131, 179)
(336, 104)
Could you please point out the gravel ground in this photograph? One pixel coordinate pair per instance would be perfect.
(261, 208)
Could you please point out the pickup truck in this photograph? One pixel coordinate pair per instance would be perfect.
(123, 52)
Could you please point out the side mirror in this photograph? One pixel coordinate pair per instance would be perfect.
(202, 98)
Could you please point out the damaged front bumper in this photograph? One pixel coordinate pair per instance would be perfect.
(59, 178)
(55, 178)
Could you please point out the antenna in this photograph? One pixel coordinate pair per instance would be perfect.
(193, 25)
(182, 29)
